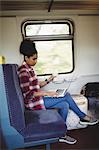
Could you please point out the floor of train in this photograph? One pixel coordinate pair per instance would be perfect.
(87, 138)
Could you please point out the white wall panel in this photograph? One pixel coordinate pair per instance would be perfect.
(87, 45)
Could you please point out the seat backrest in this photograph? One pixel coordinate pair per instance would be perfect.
(13, 96)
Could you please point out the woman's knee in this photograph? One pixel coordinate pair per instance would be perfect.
(68, 98)
(68, 95)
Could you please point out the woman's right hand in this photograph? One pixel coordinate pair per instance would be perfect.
(51, 94)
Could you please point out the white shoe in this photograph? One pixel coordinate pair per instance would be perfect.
(92, 121)
(67, 139)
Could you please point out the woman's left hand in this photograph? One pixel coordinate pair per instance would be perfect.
(51, 78)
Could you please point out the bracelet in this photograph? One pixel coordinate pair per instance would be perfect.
(46, 81)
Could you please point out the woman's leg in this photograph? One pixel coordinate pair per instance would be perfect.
(63, 110)
(73, 106)
(84, 118)
(50, 102)
(62, 106)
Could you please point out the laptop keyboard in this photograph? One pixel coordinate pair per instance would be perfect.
(59, 91)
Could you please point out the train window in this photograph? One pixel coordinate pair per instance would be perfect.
(54, 42)
(46, 29)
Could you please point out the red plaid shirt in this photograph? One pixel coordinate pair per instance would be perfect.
(29, 85)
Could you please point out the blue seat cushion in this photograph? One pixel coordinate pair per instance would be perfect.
(43, 124)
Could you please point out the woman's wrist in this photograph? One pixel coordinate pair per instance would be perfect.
(47, 81)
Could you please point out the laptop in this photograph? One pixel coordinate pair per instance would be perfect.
(61, 92)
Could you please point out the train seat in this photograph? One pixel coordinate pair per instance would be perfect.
(24, 129)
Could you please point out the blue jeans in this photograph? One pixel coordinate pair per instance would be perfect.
(64, 104)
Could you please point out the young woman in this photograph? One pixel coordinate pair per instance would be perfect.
(35, 98)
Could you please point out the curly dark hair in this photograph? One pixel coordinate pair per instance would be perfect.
(27, 48)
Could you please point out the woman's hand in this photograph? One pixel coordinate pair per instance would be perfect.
(43, 83)
(46, 93)
(51, 78)
(51, 94)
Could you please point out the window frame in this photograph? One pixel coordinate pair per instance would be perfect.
(69, 36)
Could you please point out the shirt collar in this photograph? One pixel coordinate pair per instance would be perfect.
(27, 66)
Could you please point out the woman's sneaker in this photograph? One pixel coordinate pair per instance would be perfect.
(67, 139)
(92, 121)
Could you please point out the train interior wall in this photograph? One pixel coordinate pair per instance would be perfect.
(86, 47)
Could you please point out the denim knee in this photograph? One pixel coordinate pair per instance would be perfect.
(68, 94)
